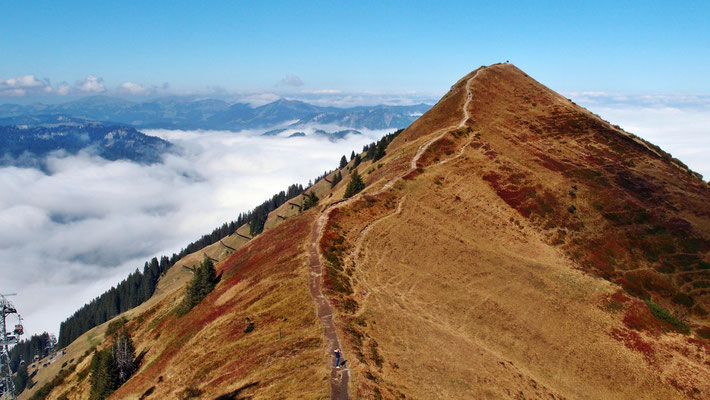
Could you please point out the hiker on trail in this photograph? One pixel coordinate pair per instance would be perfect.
(337, 358)
(248, 325)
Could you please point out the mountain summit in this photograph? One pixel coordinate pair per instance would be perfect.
(508, 244)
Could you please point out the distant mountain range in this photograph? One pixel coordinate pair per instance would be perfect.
(188, 113)
(27, 145)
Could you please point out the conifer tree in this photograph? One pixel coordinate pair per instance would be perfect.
(380, 149)
(21, 378)
(202, 283)
(311, 200)
(355, 185)
(337, 177)
(124, 355)
(343, 162)
(112, 367)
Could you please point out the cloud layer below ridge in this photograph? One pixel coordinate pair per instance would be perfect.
(71, 234)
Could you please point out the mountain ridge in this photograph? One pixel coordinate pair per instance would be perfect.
(188, 113)
(507, 244)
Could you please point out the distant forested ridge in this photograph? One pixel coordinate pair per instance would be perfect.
(26, 145)
(191, 113)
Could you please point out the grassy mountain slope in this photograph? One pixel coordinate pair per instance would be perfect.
(476, 277)
(174, 280)
(510, 244)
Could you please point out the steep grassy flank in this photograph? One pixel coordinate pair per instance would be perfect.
(207, 351)
(174, 280)
(476, 278)
(530, 251)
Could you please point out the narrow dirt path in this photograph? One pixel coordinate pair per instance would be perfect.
(340, 377)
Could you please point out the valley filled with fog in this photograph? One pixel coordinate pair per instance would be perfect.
(83, 224)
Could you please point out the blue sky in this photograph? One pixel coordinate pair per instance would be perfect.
(391, 47)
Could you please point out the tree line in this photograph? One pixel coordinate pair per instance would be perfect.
(259, 215)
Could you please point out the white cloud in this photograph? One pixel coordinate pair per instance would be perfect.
(291, 80)
(133, 88)
(257, 99)
(20, 86)
(92, 84)
(63, 89)
(26, 81)
(71, 235)
(325, 91)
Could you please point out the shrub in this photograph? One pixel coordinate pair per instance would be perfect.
(663, 315)
(683, 299)
(190, 392)
(374, 354)
(350, 305)
(115, 326)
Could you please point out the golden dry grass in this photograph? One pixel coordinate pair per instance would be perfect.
(466, 291)
(472, 278)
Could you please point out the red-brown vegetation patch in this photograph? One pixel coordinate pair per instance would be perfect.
(635, 342)
(444, 147)
(437, 150)
(615, 301)
(413, 174)
(268, 263)
(651, 281)
(550, 163)
(639, 318)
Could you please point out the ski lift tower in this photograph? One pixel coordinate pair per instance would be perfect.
(7, 384)
(50, 346)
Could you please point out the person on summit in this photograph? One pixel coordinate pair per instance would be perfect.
(336, 352)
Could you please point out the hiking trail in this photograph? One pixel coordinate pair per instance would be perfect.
(340, 377)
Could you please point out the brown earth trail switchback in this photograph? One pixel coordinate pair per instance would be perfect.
(340, 377)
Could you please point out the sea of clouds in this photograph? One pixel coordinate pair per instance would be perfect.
(70, 233)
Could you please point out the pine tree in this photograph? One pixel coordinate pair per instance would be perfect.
(369, 151)
(112, 367)
(21, 378)
(352, 155)
(311, 200)
(203, 282)
(343, 162)
(380, 149)
(355, 185)
(358, 160)
(337, 177)
(124, 354)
